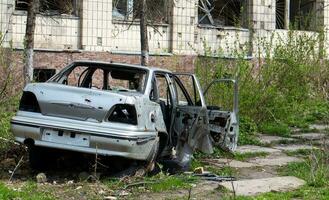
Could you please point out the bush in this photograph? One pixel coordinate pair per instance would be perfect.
(286, 87)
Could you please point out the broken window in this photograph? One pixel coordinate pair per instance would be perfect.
(52, 7)
(21, 4)
(280, 17)
(42, 75)
(296, 14)
(223, 12)
(302, 14)
(157, 11)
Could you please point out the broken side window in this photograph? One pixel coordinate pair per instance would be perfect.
(52, 7)
(296, 14)
(157, 11)
(223, 12)
(42, 75)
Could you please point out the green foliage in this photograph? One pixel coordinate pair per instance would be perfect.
(314, 170)
(286, 86)
(28, 192)
(279, 129)
(247, 132)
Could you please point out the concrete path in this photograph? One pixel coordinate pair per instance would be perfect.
(260, 173)
(258, 186)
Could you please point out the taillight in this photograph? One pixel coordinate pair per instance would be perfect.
(29, 103)
(123, 113)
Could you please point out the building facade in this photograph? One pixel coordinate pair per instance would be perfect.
(179, 27)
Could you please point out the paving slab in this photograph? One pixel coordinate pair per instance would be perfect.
(255, 149)
(269, 139)
(257, 186)
(310, 136)
(228, 162)
(280, 160)
(293, 147)
(319, 126)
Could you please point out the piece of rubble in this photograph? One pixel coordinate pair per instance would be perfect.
(257, 186)
(310, 136)
(199, 170)
(41, 178)
(255, 149)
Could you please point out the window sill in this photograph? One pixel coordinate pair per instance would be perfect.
(136, 22)
(62, 16)
(224, 28)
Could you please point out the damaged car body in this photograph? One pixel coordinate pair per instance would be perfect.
(123, 110)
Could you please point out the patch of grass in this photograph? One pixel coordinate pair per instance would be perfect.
(27, 192)
(247, 156)
(171, 183)
(299, 152)
(221, 171)
(218, 153)
(278, 129)
(158, 183)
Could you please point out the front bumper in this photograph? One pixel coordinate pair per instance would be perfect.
(100, 137)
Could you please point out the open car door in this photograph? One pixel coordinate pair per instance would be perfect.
(221, 97)
(190, 125)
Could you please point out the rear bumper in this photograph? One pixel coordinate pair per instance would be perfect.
(126, 143)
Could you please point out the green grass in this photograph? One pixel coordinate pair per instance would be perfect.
(247, 156)
(299, 152)
(158, 183)
(278, 129)
(27, 192)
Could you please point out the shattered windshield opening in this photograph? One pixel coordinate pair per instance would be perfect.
(100, 77)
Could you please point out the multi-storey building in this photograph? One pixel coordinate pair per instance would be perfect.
(109, 29)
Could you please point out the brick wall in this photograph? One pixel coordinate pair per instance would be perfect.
(58, 60)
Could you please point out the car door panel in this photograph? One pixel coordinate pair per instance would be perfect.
(223, 123)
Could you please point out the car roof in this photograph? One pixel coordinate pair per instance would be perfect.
(148, 68)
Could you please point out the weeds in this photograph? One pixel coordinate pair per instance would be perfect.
(285, 88)
(28, 192)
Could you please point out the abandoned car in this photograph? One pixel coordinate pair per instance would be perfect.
(130, 111)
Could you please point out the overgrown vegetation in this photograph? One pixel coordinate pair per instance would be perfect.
(286, 86)
(8, 95)
(27, 192)
(314, 170)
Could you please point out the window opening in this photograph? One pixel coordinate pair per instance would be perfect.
(223, 12)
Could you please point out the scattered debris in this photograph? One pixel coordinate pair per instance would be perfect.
(214, 177)
(199, 170)
(41, 178)
(16, 167)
